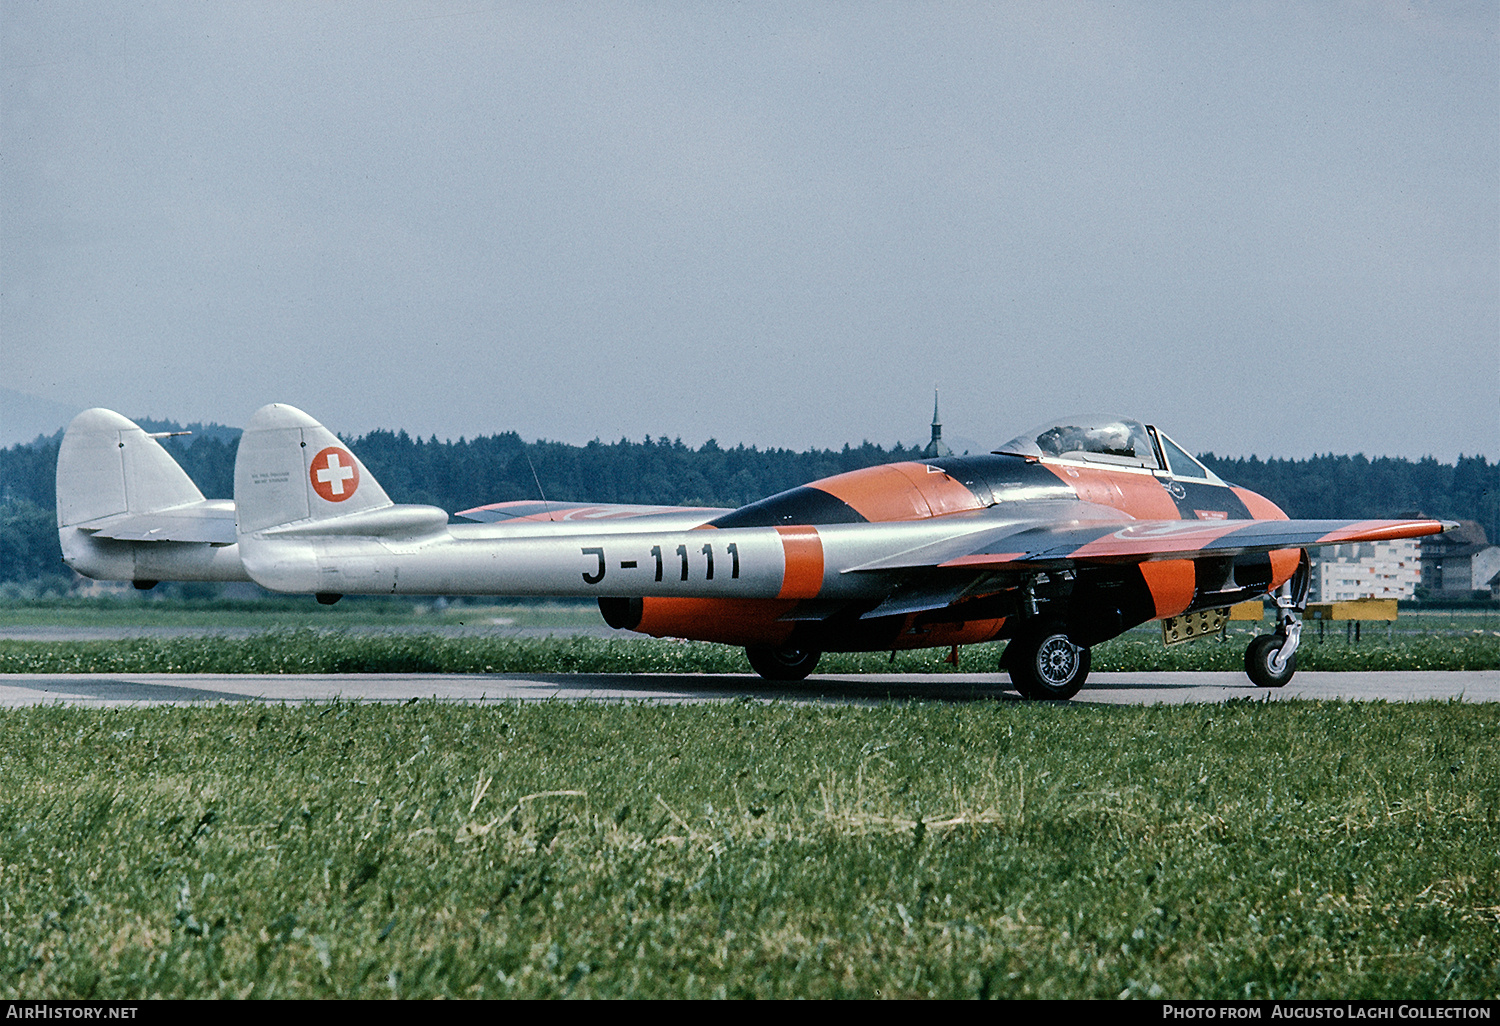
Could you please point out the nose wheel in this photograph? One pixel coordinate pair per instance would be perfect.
(1271, 659)
(1266, 665)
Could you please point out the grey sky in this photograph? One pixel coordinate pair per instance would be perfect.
(1270, 228)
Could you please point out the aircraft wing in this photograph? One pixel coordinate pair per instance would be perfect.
(582, 513)
(1033, 547)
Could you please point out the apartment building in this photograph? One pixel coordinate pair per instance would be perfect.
(1341, 573)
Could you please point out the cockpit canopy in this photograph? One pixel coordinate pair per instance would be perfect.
(1103, 438)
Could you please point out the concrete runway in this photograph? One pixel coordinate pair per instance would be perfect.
(481, 630)
(102, 690)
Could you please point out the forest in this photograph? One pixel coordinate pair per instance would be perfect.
(494, 468)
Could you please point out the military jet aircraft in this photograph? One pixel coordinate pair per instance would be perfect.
(1063, 537)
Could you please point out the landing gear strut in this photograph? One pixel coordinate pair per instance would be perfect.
(1271, 659)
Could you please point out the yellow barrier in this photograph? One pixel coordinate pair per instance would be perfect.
(1255, 609)
(1358, 609)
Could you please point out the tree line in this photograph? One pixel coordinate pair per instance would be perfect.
(495, 468)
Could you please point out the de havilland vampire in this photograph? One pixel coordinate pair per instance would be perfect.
(1061, 538)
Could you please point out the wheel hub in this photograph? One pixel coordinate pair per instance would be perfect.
(1057, 660)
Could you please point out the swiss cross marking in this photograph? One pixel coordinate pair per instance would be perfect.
(335, 475)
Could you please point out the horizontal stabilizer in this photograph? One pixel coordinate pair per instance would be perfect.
(210, 520)
(387, 520)
(533, 510)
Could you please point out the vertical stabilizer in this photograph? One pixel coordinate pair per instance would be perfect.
(107, 465)
(290, 470)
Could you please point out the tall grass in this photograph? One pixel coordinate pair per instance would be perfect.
(993, 849)
(312, 651)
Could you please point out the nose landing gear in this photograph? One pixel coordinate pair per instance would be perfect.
(1271, 659)
(1267, 660)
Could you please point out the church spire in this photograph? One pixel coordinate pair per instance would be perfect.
(936, 447)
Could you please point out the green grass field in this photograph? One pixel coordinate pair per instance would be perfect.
(1258, 850)
(148, 612)
(310, 651)
(289, 614)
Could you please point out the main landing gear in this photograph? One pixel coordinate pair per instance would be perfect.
(782, 663)
(1044, 664)
(1271, 659)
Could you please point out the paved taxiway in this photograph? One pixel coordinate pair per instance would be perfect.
(74, 632)
(138, 689)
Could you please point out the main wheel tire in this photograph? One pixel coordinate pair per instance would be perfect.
(1046, 665)
(782, 663)
(1258, 658)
